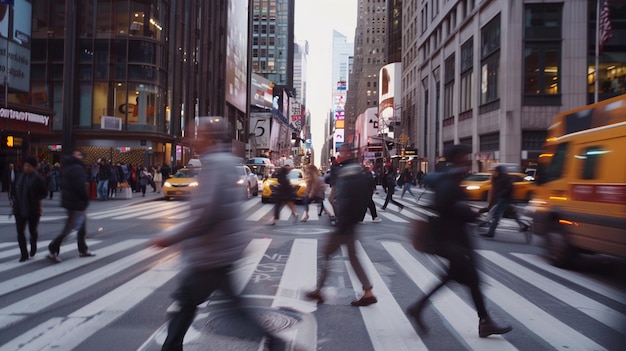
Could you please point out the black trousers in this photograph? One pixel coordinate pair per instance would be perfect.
(55, 245)
(195, 288)
(33, 225)
(462, 268)
(389, 199)
(372, 207)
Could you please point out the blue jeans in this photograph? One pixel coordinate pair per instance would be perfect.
(103, 189)
(405, 187)
(498, 212)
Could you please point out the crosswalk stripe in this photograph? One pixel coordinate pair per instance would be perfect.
(461, 317)
(11, 265)
(162, 214)
(29, 306)
(54, 270)
(248, 204)
(582, 303)
(387, 326)
(128, 209)
(5, 245)
(298, 277)
(68, 332)
(260, 213)
(575, 277)
(245, 267)
(554, 332)
(44, 218)
(136, 212)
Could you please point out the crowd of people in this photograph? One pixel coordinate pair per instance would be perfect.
(213, 241)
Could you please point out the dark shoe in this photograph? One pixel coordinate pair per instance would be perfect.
(22, 259)
(401, 208)
(86, 254)
(488, 326)
(487, 235)
(364, 301)
(54, 257)
(33, 249)
(415, 311)
(523, 227)
(315, 295)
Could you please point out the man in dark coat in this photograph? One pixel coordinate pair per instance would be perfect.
(454, 214)
(75, 199)
(103, 176)
(30, 189)
(351, 197)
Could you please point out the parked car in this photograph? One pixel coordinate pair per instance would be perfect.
(295, 176)
(478, 185)
(249, 181)
(182, 184)
(261, 166)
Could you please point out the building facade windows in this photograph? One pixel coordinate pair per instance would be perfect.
(542, 54)
(467, 76)
(490, 65)
(448, 93)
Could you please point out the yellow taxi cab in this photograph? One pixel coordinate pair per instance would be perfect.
(182, 184)
(478, 185)
(296, 178)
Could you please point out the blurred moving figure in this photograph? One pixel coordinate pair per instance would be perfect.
(215, 239)
(75, 199)
(30, 189)
(285, 195)
(500, 196)
(456, 245)
(316, 190)
(351, 196)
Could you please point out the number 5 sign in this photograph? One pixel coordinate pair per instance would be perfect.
(260, 131)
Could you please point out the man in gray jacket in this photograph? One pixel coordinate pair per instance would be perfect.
(215, 239)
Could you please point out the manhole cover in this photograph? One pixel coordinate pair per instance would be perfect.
(234, 323)
(304, 231)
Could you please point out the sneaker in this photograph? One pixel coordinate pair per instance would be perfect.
(54, 258)
(364, 301)
(86, 254)
(377, 220)
(488, 326)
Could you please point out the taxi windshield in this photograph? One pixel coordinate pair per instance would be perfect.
(185, 173)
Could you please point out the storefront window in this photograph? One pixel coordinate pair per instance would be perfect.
(85, 105)
(104, 19)
(100, 102)
(142, 105)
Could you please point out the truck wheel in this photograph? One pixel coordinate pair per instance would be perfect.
(560, 252)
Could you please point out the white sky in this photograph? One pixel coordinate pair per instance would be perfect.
(315, 21)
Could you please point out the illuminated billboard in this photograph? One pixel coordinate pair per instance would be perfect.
(261, 91)
(390, 92)
(237, 53)
(15, 37)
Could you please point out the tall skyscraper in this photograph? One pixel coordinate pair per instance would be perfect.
(301, 54)
(342, 51)
(369, 58)
(273, 40)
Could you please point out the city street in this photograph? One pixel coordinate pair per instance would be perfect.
(118, 300)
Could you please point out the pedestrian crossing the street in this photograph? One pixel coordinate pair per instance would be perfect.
(43, 305)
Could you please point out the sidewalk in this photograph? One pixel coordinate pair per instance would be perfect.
(53, 207)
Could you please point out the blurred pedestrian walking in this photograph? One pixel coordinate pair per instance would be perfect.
(351, 196)
(390, 182)
(285, 195)
(75, 199)
(500, 198)
(214, 240)
(407, 181)
(316, 191)
(454, 214)
(30, 189)
(103, 176)
(371, 190)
